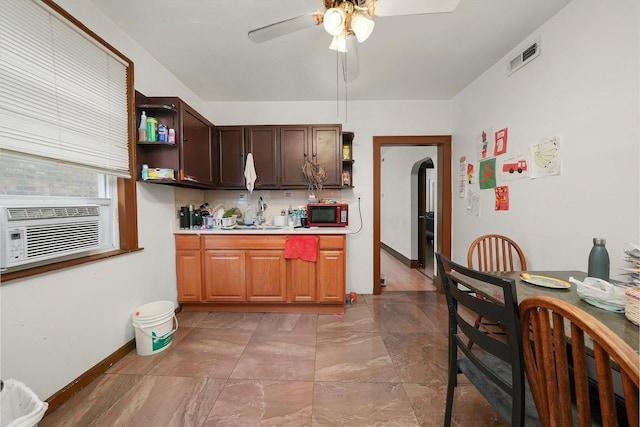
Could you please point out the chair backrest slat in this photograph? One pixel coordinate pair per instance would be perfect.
(547, 365)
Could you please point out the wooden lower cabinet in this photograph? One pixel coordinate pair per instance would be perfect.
(250, 273)
(188, 268)
(301, 277)
(331, 275)
(224, 276)
(266, 276)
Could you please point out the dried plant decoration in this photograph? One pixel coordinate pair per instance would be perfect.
(314, 174)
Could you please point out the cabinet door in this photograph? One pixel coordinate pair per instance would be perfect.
(266, 276)
(327, 151)
(294, 149)
(331, 276)
(262, 142)
(188, 266)
(224, 276)
(231, 156)
(301, 279)
(196, 148)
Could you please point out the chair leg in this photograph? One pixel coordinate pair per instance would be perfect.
(451, 385)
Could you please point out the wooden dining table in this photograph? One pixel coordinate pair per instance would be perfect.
(617, 322)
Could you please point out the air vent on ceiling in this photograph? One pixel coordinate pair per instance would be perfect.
(523, 58)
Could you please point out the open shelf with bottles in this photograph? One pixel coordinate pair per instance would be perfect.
(347, 159)
(185, 147)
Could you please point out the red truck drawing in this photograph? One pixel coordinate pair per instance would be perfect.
(520, 166)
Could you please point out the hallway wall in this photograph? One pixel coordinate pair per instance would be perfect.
(398, 197)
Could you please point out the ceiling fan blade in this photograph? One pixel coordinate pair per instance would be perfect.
(281, 28)
(350, 61)
(411, 7)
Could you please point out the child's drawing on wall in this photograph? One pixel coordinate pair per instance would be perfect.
(500, 146)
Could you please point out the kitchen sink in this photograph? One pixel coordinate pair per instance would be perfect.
(254, 227)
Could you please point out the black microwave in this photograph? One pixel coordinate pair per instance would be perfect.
(328, 214)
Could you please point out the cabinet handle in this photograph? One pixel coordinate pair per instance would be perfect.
(185, 139)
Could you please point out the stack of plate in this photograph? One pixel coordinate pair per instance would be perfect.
(632, 256)
(632, 305)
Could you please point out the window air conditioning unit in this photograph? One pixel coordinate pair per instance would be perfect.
(32, 234)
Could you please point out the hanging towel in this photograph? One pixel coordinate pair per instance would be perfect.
(250, 173)
(303, 247)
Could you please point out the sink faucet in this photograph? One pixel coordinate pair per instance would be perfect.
(262, 206)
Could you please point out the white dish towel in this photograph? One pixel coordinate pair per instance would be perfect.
(250, 173)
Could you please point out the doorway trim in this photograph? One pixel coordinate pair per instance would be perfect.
(443, 208)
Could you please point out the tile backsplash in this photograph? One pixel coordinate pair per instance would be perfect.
(276, 200)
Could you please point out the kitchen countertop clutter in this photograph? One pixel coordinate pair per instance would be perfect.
(267, 229)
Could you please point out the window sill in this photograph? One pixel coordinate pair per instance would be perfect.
(6, 277)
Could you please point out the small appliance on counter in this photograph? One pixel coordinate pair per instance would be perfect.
(328, 214)
(185, 218)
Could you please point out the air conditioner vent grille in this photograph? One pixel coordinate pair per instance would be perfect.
(48, 212)
(529, 52)
(523, 58)
(63, 238)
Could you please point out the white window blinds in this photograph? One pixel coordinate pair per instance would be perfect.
(62, 95)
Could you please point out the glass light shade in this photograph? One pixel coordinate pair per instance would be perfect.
(339, 42)
(361, 26)
(334, 20)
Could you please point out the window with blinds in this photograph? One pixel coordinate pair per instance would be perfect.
(64, 131)
(63, 96)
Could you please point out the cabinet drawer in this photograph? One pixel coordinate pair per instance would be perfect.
(187, 242)
(331, 242)
(245, 242)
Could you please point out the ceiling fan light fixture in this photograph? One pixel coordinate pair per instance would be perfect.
(334, 21)
(361, 26)
(339, 42)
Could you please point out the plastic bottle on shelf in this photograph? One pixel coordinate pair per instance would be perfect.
(172, 136)
(599, 260)
(145, 172)
(142, 129)
(162, 133)
(152, 129)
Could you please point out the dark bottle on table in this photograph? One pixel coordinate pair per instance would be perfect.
(599, 260)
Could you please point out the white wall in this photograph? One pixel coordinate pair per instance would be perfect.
(365, 119)
(584, 88)
(398, 197)
(56, 326)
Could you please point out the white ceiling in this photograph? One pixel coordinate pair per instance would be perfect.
(204, 43)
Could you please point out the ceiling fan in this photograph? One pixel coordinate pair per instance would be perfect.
(348, 21)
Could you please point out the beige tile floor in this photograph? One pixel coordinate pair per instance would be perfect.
(382, 363)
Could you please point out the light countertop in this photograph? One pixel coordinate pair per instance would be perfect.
(267, 230)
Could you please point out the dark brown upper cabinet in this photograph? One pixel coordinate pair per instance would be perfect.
(319, 143)
(234, 143)
(294, 149)
(191, 156)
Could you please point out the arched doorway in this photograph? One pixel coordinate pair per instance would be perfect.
(443, 208)
(425, 216)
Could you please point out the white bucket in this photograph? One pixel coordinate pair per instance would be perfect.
(154, 324)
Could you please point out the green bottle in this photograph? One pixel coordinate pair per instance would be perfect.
(599, 260)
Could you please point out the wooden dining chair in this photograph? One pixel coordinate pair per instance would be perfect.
(555, 369)
(496, 367)
(494, 253)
